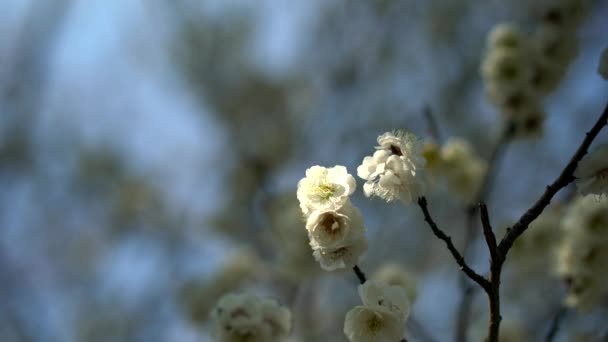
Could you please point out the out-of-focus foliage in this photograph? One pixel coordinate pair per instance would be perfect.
(150, 151)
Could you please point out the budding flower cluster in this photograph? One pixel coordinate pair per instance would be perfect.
(583, 254)
(520, 70)
(382, 316)
(246, 317)
(457, 163)
(396, 170)
(335, 227)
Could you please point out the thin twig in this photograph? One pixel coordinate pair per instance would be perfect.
(499, 252)
(496, 260)
(488, 232)
(360, 275)
(448, 242)
(493, 163)
(432, 125)
(555, 322)
(565, 178)
(498, 149)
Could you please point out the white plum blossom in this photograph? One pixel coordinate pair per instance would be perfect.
(371, 324)
(248, 318)
(592, 172)
(381, 317)
(582, 257)
(344, 256)
(602, 68)
(393, 298)
(396, 170)
(397, 275)
(324, 188)
(335, 228)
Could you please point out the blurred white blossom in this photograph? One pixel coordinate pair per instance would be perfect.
(397, 275)
(583, 254)
(534, 251)
(246, 317)
(506, 35)
(462, 168)
(592, 172)
(294, 260)
(520, 69)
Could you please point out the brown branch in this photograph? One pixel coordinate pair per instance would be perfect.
(496, 261)
(565, 178)
(464, 308)
(448, 242)
(360, 275)
(494, 302)
(488, 232)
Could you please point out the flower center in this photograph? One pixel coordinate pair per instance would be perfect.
(374, 324)
(396, 150)
(330, 225)
(324, 190)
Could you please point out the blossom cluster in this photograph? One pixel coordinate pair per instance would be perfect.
(335, 227)
(457, 163)
(583, 253)
(246, 317)
(520, 69)
(382, 316)
(337, 234)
